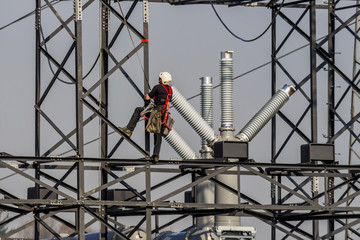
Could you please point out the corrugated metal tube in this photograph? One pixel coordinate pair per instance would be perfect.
(265, 114)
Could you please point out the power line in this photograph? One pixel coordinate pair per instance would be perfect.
(128, 29)
(242, 39)
(49, 63)
(28, 15)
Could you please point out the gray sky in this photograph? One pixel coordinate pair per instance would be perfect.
(185, 41)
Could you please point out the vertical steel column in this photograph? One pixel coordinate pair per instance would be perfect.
(146, 61)
(103, 108)
(80, 217)
(331, 98)
(148, 200)
(313, 90)
(37, 113)
(352, 152)
(314, 129)
(273, 121)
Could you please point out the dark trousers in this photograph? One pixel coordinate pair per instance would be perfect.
(132, 124)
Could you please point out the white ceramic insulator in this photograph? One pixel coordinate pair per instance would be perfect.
(192, 116)
(179, 145)
(226, 78)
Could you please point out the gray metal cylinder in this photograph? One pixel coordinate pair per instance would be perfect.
(226, 80)
(260, 119)
(223, 196)
(192, 116)
(179, 145)
(205, 193)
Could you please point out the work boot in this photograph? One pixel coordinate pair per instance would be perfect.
(155, 158)
(126, 131)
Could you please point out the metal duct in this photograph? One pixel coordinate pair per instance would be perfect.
(265, 114)
(226, 79)
(179, 145)
(192, 116)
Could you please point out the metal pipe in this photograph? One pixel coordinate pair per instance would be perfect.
(265, 114)
(192, 117)
(179, 145)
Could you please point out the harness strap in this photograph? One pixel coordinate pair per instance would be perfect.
(165, 110)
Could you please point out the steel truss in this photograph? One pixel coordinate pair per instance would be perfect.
(295, 205)
(322, 53)
(293, 200)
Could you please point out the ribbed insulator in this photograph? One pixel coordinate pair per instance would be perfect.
(265, 114)
(226, 78)
(206, 102)
(179, 145)
(192, 116)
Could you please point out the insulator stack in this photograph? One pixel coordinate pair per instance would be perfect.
(206, 103)
(192, 116)
(205, 191)
(265, 114)
(226, 80)
(179, 145)
(222, 195)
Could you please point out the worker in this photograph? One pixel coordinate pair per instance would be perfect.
(161, 94)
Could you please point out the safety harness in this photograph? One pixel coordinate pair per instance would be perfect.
(164, 110)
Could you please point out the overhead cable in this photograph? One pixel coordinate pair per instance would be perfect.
(49, 63)
(28, 15)
(128, 29)
(93, 66)
(236, 36)
(258, 67)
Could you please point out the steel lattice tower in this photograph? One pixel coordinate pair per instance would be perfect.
(296, 197)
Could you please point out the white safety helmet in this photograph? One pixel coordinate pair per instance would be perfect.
(165, 78)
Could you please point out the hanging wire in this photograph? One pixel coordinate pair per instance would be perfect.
(242, 39)
(29, 14)
(48, 59)
(132, 40)
(12, 174)
(52, 70)
(93, 66)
